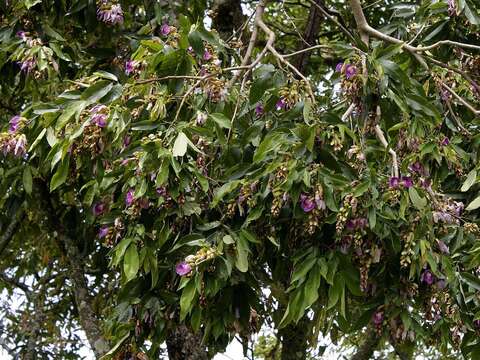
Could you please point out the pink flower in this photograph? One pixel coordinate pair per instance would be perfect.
(165, 29)
(307, 203)
(183, 268)
(129, 197)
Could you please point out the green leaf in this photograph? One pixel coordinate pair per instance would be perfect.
(303, 268)
(418, 202)
(186, 300)
(96, 91)
(241, 262)
(60, 175)
(311, 286)
(475, 204)
(27, 179)
(270, 143)
(180, 145)
(195, 39)
(222, 191)
(471, 280)
(221, 120)
(471, 178)
(131, 262)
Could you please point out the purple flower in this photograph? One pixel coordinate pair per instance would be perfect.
(99, 208)
(427, 277)
(130, 67)
(126, 141)
(407, 181)
(443, 247)
(281, 104)
(445, 141)
(339, 67)
(27, 65)
(356, 224)
(100, 120)
(109, 13)
(320, 203)
(307, 203)
(161, 191)
(103, 232)
(206, 55)
(425, 183)
(393, 182)
(22, 35)
(259, 110)
(183, 268)
(350, 71)
(377, 318)
(476, 323)
(417, 167)
(129, 197)
(165, 29)
(14, 123)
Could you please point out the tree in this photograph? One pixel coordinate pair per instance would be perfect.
(309, 166)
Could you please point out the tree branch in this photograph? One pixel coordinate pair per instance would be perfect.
(381, 137)
(10, 231)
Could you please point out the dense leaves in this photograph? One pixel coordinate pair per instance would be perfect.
(149, 172)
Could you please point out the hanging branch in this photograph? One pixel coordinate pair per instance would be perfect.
(381, 137)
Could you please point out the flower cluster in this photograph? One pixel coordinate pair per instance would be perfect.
(192, 261)
(99, 115)
(348, 70)
(448, 212)
(109, 12)
(13, 142)
(395, 182)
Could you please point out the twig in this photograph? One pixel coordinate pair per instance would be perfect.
(307, 49)
(347, 113)
(381, 137)
(459, 98)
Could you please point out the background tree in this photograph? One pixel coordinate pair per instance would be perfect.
(308, 167)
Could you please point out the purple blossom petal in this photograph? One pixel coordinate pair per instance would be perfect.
(103, 232)
(339, 67)
(281, 104)
(377, 318)
(350, 71)
(443, 247)
(259, 110)
(130, 67)
(14, 123)
(427, 277)
(207, 56)
(407, 181)
(99, 208)
(307, 203)
(129, 197)
(393, 182)
(445, 141)
(183, 268)
(165, 29)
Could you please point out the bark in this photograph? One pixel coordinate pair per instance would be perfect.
(183, 344)
(88, 318)
(294, 340)
(10, 231)
(227, 16)
(366, 350)
(310, 35)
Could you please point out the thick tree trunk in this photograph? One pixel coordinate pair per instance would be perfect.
(183, 344)
(88, 318)
(310, 35)
(227, 16)
(366, 350)
(294, 340)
